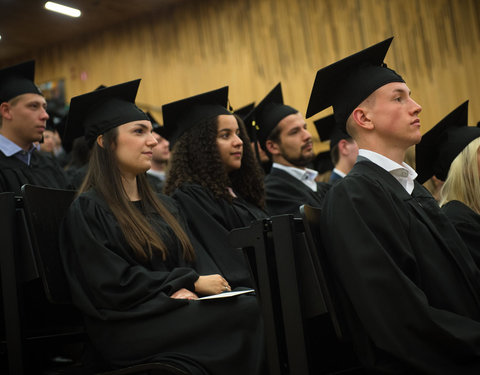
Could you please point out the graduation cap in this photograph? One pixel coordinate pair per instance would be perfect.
(103, 109)
(269, 112)
(245, 113)
(182, 115)
(17, 80)
(441, 144)
(328, 129)
(346, 83)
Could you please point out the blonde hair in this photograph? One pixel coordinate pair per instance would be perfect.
(463, 180)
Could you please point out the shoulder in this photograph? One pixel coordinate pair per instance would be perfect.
(458, 211)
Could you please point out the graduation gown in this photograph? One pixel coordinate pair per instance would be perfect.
(285, 193)
(210, 221)
(130, 317)
(408, 285)
(467, 224)
(43, 171)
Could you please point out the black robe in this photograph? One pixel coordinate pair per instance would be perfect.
(210, 221)
(285, 194)
(129, 314)
(467, 224)
(43, 170)
(410, 288)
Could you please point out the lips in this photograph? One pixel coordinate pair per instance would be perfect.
(416, 122)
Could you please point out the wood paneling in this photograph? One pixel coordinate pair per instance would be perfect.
(251, 45)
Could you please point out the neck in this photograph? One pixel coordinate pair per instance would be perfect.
(159, 166)
(344, 166)
(130, 187)
(397, 154)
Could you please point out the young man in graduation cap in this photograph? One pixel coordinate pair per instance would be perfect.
(282, 133)
(343, 148)
(406, 282)
(23, 121)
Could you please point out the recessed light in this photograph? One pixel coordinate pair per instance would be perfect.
(72, 12)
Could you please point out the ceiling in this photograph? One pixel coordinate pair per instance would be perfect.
(25, 25)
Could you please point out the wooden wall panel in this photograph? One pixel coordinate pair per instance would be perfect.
(251, 45)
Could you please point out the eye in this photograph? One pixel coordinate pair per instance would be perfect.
(138, 131)
(398, 99)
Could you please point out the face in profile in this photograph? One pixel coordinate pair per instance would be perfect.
(394, 114)
(230, 145)
(28, 116)
(295, 141)
(134, 146)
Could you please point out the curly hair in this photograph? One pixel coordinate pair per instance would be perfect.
(195, 159)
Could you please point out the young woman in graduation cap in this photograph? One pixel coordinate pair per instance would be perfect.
(450, 151)
(214, 177)
(128, 259)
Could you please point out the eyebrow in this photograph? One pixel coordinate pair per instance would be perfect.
(143, 126)
(402, 91)
(228, 130)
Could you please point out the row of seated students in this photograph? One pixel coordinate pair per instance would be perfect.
(136, 261)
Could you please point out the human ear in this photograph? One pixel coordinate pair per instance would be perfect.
(5, 110)
(271, 146)
(100, 140)
(362, 118)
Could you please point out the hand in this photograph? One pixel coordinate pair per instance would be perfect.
(211, 284)
(184, 294)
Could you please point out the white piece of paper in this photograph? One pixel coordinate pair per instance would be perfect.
(227, 294)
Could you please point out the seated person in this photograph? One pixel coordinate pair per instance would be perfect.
(214, 178)
(23, 118)
(128, 259)
(450, 152)
(408, 286)
(284, 136)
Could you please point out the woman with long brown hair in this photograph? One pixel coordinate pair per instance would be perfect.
(129, 260)
(213, 176)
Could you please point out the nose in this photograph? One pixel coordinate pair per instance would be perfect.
(237, 141)
(306, 135)
(417, 108)
(44, 115)
(151, 141)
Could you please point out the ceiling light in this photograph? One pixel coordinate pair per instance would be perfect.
(72, 12)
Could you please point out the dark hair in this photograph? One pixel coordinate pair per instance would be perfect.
(196, 159)
(80, 153)
(274, 136)
(104, 176)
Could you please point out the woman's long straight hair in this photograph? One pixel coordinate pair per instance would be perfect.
(104, 176)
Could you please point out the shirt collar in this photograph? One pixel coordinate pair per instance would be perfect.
(402, 172)
(301, 174)
(10, 148)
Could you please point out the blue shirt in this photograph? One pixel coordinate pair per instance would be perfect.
(10, 148)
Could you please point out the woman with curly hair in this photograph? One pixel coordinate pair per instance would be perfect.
(129, 260)
(451, 152)
(215, 179)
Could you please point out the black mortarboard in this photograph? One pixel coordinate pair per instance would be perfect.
(245, 113)
(346, 83)
(100, 110)
(182, 115)
(269, 112)
(17, 80)
(328, 129)
(441, 144)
